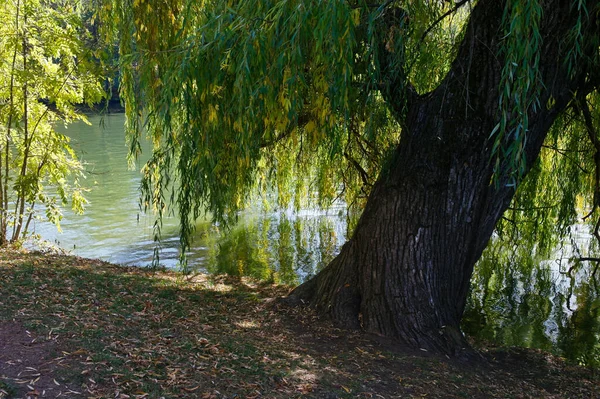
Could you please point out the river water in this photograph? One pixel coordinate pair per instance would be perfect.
(282, 245)
(534, 305)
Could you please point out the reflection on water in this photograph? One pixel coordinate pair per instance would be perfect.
(536, 304)
(283, 246)
(533, 303)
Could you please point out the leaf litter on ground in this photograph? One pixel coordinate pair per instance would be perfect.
(74, 327)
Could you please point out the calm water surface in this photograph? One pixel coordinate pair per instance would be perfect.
(281, 245)
(534, 305)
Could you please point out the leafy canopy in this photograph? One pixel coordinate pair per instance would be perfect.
(281, 96)
(293, 97)
(45, 70)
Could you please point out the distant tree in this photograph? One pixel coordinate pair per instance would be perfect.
(426, 114)
(45, 71)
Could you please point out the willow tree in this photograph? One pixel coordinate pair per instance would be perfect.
(427, 115)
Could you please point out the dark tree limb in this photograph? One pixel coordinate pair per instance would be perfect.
(456, 7)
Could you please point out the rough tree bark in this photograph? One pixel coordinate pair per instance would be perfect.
(406, 271)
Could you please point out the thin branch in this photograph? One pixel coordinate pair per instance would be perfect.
(564, 151)
(265, 144)
(363, 174)
(511, 221)
(300, 122)
(20, 202)
(593, 136)
(587, 259)
(4, 184)
(444, 15)
(565, 154)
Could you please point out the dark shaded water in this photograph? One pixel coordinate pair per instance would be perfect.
(536, 304)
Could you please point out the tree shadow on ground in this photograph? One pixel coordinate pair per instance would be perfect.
(102, 330)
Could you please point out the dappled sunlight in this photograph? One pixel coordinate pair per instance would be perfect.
(303, 375)
(220, 288)
(292, 355)
(127, 331)
(247, 324)
(306, 371)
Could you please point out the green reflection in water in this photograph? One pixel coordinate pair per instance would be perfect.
(579, 332)
(274, 245)
(282, 248)
(535, 304)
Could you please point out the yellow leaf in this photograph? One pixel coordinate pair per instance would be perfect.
(356, 16)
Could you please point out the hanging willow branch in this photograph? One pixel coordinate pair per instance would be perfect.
(593, 136)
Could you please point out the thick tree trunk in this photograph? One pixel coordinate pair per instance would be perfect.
(406, 271)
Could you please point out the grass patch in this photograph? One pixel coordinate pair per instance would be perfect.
(7, 390)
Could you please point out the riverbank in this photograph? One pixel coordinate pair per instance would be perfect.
(80, 328)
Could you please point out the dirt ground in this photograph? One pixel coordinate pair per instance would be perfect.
(30, 362)
(78, 328)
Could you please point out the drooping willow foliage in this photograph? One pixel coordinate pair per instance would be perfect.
(289, 96)
(562, 190)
